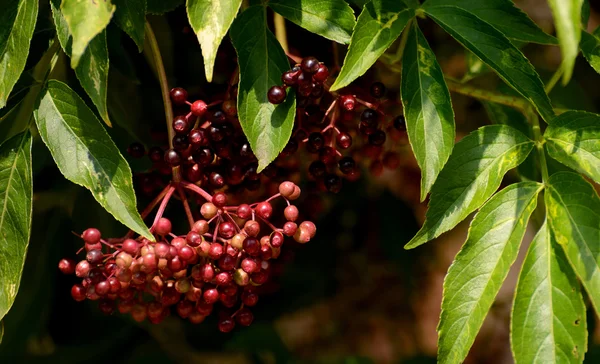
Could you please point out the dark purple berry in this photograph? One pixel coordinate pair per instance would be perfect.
(310, 65)
(178, 96)
(276, 95)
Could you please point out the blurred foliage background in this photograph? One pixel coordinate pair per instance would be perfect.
(352, 295)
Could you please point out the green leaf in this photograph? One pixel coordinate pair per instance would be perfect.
(574, 218)
(1, 331)
(496, 51)
(377, 27)
(17, 23)
(15, 215)
(504, 16)
(567, 20)
(211, 20)
(590, 47)
(131, 17)
(332, 19)
(163, 6)
(86, 155)
(477, 273)
(92, 71)
(574, 140)
(473, 173)
(85, 20)
(427, 108)
(548, 322)
(262, 61)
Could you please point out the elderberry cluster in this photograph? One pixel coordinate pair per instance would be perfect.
(222, 261)
(328, 124)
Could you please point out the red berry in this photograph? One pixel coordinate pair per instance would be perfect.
(91, 236)
(244, 317)
(310, 65)
(276, 95)
(198, 108)
(163, 226)
(78, 292)
(348, 102)
(321, 74)
(264, 210)
(67, 266)
(178, 95)
(226, 325)
(219, 199)
(244, 211)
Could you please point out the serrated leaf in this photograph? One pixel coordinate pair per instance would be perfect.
(502, 114)
(86, 155)
(427, 108)
(85, 19)
(333, 19)
(268, 127)
(493, 48)
(567, 21)
(163, 6)
(477, 273)
(472, 174)
(504, 16)
(377, 27)
(15, 214)
(211, 20)
(573, 209)
(17, 23)
(131, 17)
(548, 323)
(590, 47)
(92, 71)
(574, 140)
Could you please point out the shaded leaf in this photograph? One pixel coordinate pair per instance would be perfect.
(567, 21)
(377, 27)
(496, 51)
(477, 273)
(131, 17)
(574, 140)
(211, 20)
(16, 191)
(92, 71)
(471, 175)
(548, 322)
(262, 61)
(332, 19)
(590, 47)
(85, 19)
(17, 23)
(504, 16)
(162, 6)
(573, 208)
(86, 155)
(427, 108)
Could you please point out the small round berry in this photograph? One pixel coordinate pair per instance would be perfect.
(198, 108)
(377, 90)
(215, 251)
(78, 292)
(276, 95)
(208, 210)
(136, 150)
(252, 228)
(347, 165)
(211, 295)
(296, 194)
(241, 277)
(67, 266)
(193, 239)
(91, 236)
(226, 324)
(204, 156)
(178, 95)
(400, 123)
(251, 246)
(244, 211)
(244, 317)
(249, 265)
(102, 288)
(227, 262)
(290, 78)
(181, 124)
(219, 199)
(310, 65)
(315, 142)
(180, 142)
(348, 102)
(249, 297)
(286, 188)
(289, 228)
(172, 157)
(333, 183)
(130, 246)
(163, 226)
(343, 140)
(310, 227)
(156, 154)
(377, 138)
(264, 210)
(226, 230)
(197, 137)
(276, 239)
(369, 118)
(321, 74)
(302, 236)
(94, 256)
(291, 213)
(201, 227)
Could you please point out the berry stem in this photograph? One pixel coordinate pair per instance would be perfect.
(186, 205)
(150, 207)
(163, 205)
(164, 87)
(198, 190)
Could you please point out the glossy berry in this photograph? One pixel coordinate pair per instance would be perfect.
(163, 226)
(181, 125)
(276, 95)
(315, 142)
(226, 230)
(264, 210)
(244, 211)
(219, 199)
(172, 157)
(198, 108)
(178, 96)
(67, 266)
(226, 324)
(400, 123)
(377, 90)
(369, 118)
(290, 78)
(343, 140)
(94, 256)
(348, 102)
(310, 65)
(321, 74)
(347, 165)
(244, 317)
(91, 236)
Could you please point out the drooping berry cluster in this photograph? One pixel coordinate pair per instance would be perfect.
(307, 78)
(220, 262)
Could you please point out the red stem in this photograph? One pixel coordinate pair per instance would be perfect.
(163, 206)
(192, 187)
(186, 205)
